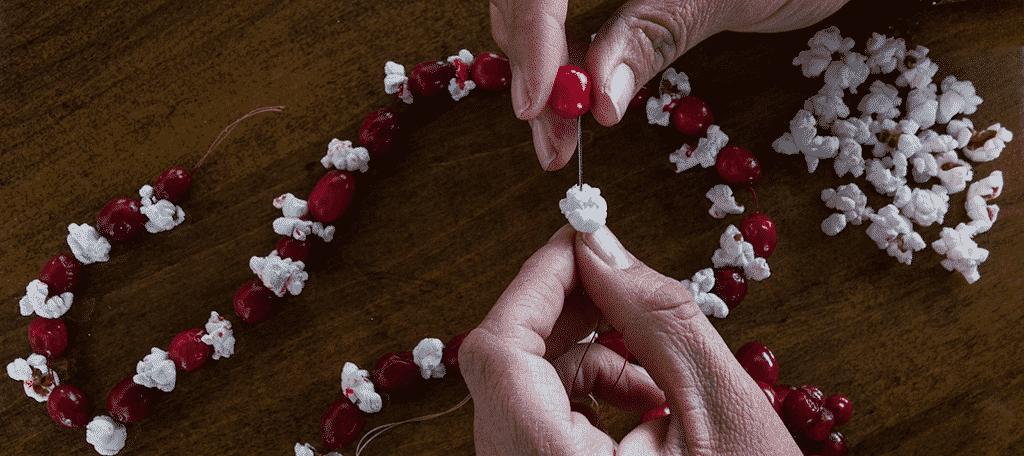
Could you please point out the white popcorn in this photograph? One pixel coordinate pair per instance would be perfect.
(893, 232)
(953, 172)
(304, 450)
(923, 105)
(279, 274)
(722, 201)
(460, 89)
(784, 144)
(291, 206)
(855, 128)
(734, 251)
(356, 385)
(676, 84)
(292, 225)
(805, 137)
(961, 130)
(886, 132)
(427, 355)
(86, 244)
(882, 177)
(659, 109)
(705, 154)
(220, 336)
(850, 159)
(957, 97)
(700, 287)
(395, 81)
(925, 207)
(343, 156)
(884, 53)
(925, 166)
(883, 99)
(827, 105)
(962, 253)
(812, 62)
(933, 142)
(833, 224)
(586, 210)
(850, 200)
(23, 370)
(463, 56)
(106, 435)
(156, 370)
(996, 138)
(163, 215)
(461, 84)
(982, 215)
(35, 300)
(848, 73)
(830, 39)
(916, 69)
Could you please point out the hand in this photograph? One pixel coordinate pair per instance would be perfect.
(520, 362)
(643, 38)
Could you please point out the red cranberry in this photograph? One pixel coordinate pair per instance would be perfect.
(172, 185)
(612, 339)
(341, 424)
(492, 71)
(819, 431)
(799, 411)
(807, 446)
(692, 116)
(68, 407)
(294, 249)
(730, 285)
(759, 231)
(379, 131)
(253, 302)
(834, 445)
(121, 219)
(48, 337)
(331, 196)
(781, 391)
(769, 391)
(840, 407)
(815, 393)
(430, 78)
(570, 96)
(738, 166)
(759, 361)
(395, 371)
(62, 274)
(450, 354)
(129, 402)
(655, 413)
(641, 96)
(188, 351)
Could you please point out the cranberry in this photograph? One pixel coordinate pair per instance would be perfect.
(570, 96)
(121, 219)
(450, 354)
(641, 96)
(692, 116)
(430, 78)
(807, 446)
(68, 407)
(840, 407)
(331, 196)
(799, 411)
(62, 274)
(738, 166)
(769, 391)
(822, 426)
(172, 185)
(341, 424)
(253, 302)
(759, 361)
(379, 130)
(655, 413)
(188, 351)
(48, 337)
(129, 402)
(492, 71)
(815, 393)
(834, 445)
(730, 285)
(612, 339)
(294, 249)
(395, 371)
(759, 231)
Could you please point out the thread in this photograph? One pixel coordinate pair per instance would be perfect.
(369, 436)
(229, 128)
(579, 149)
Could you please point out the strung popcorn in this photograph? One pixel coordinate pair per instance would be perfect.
(848, 73)
(916, 69)
(343, 156)
(962, 253)
(924, 207)
(292, 225)
(734, 251)
(995, 138)
(982, 215)
(892, 232)
(86, 244)
(923, 105)
(700, 287)
(850, 158)
(953, 172)
(803, 137)
(827, 105)
(278, 274)
(395, 81)
(462, 83)
(883, 99)
(35, 300)
(704, 154)
(308, 450)
(659, 109)
(36, 377)
(220, 336)
(674, 85)
(156, 371)
(855, 128)
(884, 53)
(957, 97)
(962, 130)
(882, 177)
(722, 201)
(163, 215)
(850, 200)
(427, 355)
(586, 210)
(357, 387)
(105, 435)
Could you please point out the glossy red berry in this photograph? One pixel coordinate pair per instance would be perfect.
(395, 371)
(431, 78)
(738, 166)
(172, 185)
(759, 231)
(293, 249)
(612, 339)
(129, 402)
(450, 354)
(815, 393)
(188, 351)
(781, 391)
(822, 426)
(841, 408)
(253, 302)
(331, 196)
(730, 285)
(48, 337)
(655, 413)
(68, 407)
(769, 392)
(641, 96)
(800, 411)
(121, 219)
(692, 116)
(491, 71)
(807, 446)
(570, 96)
(61, 274)
(379, 131)
(341, 424)
(759, 361)
(834, 445)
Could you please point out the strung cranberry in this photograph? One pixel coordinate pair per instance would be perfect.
(379, 130)
(188, 351)
(395, 371)
(341, 424)
(655, 413)
(800, 411)
(68, 407)
(641, 96)
(692, 116)
(834, 445)
(253, 302)
(293, 249)
(769, 392)
(821, 428)
(781, 391)
(491, 71)
(570, 96)
(612, 339)
(759, 231)
(450, 354)
(840, 407)
(121, 219)
(331, 196)
(430, 78)
(129, 402)
(730, 285)
(759, 361)
(738, 166)
(815, 393)
(172, 185)
(61, 274)
(48, 337)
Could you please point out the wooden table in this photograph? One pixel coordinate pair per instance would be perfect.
(99, 100)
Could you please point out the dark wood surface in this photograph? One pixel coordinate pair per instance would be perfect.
(96, 101)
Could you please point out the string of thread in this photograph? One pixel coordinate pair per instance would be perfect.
(227, 130)
(579, 149)
(380, 429)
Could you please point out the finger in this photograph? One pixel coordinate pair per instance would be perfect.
(608, 376)
(532, 34)
(578, 319)
(554, 138)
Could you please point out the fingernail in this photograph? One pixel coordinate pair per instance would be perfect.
(520, 93)
(608, 248)
(620, 89)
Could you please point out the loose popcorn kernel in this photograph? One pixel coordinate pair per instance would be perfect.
(986, 145)
(962, 253)
(957, 97)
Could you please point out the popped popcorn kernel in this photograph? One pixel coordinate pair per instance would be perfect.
(958, 97)
(986, 145)
(962, 253)
(586, 210)
(722, 201)
(700, 287)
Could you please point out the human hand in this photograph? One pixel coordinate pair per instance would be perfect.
(520, 362)
(643, 38)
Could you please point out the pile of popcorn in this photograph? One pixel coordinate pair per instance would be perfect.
(924, 143)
